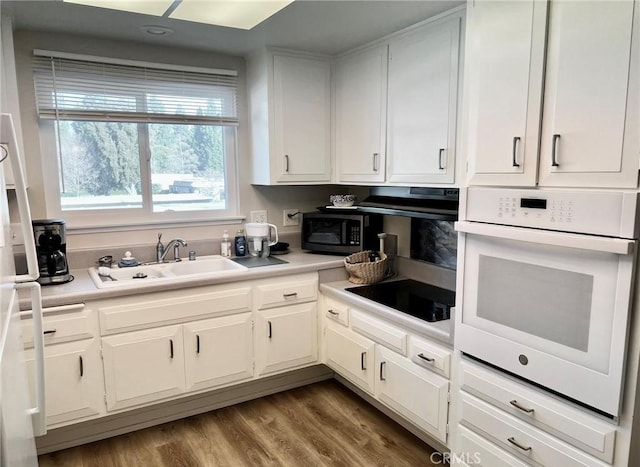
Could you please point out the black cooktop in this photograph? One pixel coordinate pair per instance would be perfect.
(423, 301)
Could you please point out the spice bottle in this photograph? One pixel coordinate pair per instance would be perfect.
(240, 243)
(225, 245)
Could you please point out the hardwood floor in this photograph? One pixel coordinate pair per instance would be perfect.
(323, 424)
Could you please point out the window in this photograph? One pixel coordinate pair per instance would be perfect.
(133, 142)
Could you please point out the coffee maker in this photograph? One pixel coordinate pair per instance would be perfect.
(51, 249)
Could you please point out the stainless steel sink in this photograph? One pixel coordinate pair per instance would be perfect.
(206, 266)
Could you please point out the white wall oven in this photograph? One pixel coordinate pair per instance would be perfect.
(545, 287)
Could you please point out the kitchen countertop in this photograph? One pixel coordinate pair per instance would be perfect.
(440, 330)
(83, 289)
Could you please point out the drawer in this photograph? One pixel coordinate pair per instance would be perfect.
(173, 308)
(519, 438)
(473, 450)
(378, 330)
(289, 290)
(61, 324)
(430, 355)
(571, 424)
(336, 311)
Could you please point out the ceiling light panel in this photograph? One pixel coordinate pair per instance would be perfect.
(145, 7)
(241, 14)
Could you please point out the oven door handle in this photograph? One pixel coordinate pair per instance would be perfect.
(619, 246)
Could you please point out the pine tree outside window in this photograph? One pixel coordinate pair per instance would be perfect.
(136, 140)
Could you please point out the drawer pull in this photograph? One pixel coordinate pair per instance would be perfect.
(518, 406)
(513, 441)
(270, 333)
(197, 343)
(290, 295)
(171, 348)
(382, 378)
(49, 331)
(334, 313)
(363, 360)
(426, 359)
(81, 366)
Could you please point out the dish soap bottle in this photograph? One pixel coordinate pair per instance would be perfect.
(240, 243)
(225, 245)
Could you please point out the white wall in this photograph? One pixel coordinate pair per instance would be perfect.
(273, 199)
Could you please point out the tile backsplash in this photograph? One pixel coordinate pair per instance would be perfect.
(434, 241)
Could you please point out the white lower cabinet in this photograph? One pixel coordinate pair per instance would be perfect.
(218, 351)
(286, 337)
(143, 366)
(406, 373)
(476, 451)
(414, 392)
(74, 384)
(503, 421)
(351, 355)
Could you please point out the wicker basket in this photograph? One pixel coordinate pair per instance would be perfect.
(362, 271)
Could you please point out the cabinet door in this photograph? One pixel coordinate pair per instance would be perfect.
(414, 392)
(286, 337)
(360, 116)
(351, 355)
(143, 366)
(586, 90)
(301, 129)
(74, 381)
(504, 70)
(423, 89)
(218, 351)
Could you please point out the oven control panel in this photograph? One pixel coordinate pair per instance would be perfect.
(601, 213)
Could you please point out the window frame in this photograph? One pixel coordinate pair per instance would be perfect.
(134, 217)
(143, 217)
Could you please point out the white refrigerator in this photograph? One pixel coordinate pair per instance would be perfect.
(20, 419)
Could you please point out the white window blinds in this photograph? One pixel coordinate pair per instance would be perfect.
(76, 89)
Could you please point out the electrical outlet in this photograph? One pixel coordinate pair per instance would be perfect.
(259, 216)
(291, 217)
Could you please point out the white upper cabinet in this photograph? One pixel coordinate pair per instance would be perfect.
(290, 106)
(587, 84)
(360, 83)
(422, 100)
(504, 71)
(583, 131)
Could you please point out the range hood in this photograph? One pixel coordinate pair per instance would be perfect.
(418, 202)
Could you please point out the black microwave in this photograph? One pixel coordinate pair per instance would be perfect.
(340, 233)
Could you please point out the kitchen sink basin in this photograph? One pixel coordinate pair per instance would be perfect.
(206, 266)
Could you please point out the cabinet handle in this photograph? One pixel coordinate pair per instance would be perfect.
(514, 161)
(334, 313)
(197, 343)
(426, 359)
(286, 163)
(363, 360)
(171, 347)
(269, 324)
(375, 161)
(382, 378)
(518, 406)
(440, 167)
(81, 366)
(554, 149)
(513, 441)
(49, 331)
(290, 295)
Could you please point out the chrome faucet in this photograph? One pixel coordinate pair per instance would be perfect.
(161, 251)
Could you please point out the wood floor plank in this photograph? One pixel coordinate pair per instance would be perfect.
(320, 425)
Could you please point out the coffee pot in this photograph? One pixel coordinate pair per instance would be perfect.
(260, 238)
(51, 249)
